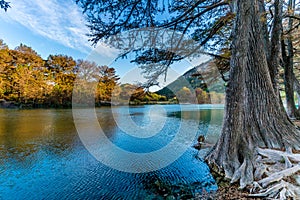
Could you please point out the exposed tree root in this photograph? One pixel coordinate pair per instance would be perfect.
(275, 174)
(281, 190)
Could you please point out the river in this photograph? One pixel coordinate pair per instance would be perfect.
(43, 157)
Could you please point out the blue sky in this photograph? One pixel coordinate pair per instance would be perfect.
(48, 26)
(59, 27)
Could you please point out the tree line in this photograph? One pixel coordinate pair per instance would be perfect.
(29, 80)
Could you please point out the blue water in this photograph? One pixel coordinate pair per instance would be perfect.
(42, 156)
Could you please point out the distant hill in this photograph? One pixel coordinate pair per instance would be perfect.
(203, 79)
(127, 93)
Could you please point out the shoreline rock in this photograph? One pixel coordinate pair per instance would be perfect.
(8, 104)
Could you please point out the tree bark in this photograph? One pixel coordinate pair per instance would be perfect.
(262, 9)
(288, 56)
(296, 85)
(274, 52)
(289, 84)
(274, 48)
(253, 116)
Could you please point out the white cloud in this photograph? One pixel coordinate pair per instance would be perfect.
(58, 20)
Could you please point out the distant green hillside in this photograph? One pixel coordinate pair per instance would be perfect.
(204, 80)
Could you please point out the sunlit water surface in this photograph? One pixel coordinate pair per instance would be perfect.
(42, 157)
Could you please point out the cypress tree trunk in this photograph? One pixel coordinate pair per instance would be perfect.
(274, 52)
(297, 90)
(289, 82)
(262, 9)
(253, 116)
(288, 56)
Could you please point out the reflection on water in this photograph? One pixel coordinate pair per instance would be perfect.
(41, 155)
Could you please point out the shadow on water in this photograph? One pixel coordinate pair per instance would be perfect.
(210, 121)
(41, 156)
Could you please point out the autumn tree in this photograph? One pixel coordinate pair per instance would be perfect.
(107, 83)
(203, 97)
(103, 76)
(125, 93)
(28, 80)
(255, 122)
(6, 70)
(30, 85)
(62, 71)
(185, 95)
(25, 55)
(11, 63)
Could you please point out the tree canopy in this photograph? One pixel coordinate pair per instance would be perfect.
(164, 31)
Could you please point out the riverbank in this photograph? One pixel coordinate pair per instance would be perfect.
(231, 191)
(31, 105)
(226, 191)
(15, 105)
